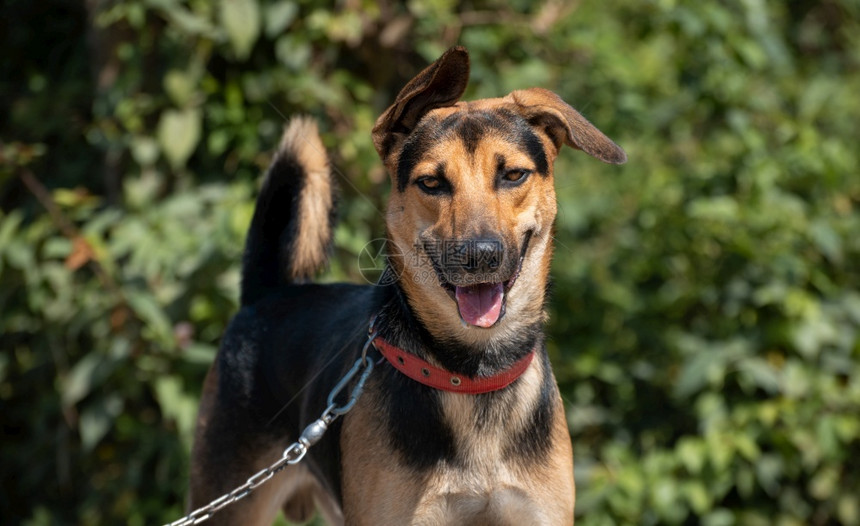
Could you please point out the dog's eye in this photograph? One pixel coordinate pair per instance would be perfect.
(516, 176)
(432, 185)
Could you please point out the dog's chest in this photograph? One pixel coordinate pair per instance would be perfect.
(483, 430)
(484, 427)
(485, 482)
(485, 486)
(458, 496)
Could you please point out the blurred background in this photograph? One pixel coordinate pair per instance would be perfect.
(705, 309)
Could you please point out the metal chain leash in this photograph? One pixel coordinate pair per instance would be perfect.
(295, 452)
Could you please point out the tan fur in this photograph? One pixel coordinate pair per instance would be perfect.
(380, 489)
(302, 138)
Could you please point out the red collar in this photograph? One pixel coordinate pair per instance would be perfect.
(438, 378)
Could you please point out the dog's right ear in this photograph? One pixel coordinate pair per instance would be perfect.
(565, 125)
(441, 84)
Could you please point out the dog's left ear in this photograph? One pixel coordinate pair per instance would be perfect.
(441, 84)
(564, 125)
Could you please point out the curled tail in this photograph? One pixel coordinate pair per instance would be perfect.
(291, 231)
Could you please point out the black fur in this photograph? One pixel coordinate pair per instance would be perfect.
(534, 147)
(472, 128)
(533, 442)
(413, 150)
(413, 420)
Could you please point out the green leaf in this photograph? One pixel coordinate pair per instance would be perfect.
(241, 20)
(19, 254)
(827, 240)
(80, 380)
(664, 497)
(293, 52)
(698, 496)
(180, 86)
(176, 404)
(722, 208)
(148, 309)
(824, 484)
(719, 517)
(708, 365)
(746, 446)
(144, 150)
(199, 353)
(691, 452)
(186, 21)
(848, 509)
(56, 247)
(762, 374)
(279, 16)
(769, 469)
(178, 134)
(9, 224)
(97, 418)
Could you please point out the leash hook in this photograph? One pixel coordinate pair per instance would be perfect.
(364, 362)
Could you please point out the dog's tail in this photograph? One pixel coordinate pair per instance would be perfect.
(290, 234)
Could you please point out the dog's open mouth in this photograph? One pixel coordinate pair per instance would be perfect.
(483, 304)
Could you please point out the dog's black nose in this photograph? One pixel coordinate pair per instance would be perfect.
(483, 255)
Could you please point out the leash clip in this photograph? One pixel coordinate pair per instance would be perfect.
(364, 362)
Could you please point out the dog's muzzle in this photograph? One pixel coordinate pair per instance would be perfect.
(477, 275)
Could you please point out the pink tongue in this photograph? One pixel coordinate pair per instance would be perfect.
(480, 305)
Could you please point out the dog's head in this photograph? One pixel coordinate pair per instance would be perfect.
(471, 213)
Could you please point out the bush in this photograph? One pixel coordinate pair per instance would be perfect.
(705, 313)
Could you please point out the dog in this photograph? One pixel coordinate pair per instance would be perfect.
(470, 236)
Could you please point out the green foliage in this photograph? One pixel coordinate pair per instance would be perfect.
(705, 313)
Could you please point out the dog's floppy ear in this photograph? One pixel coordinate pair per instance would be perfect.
(564, 125)
(441, 84)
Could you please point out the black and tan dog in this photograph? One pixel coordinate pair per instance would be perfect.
(470, 220)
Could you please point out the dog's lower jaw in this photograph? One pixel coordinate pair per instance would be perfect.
(444, 321)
